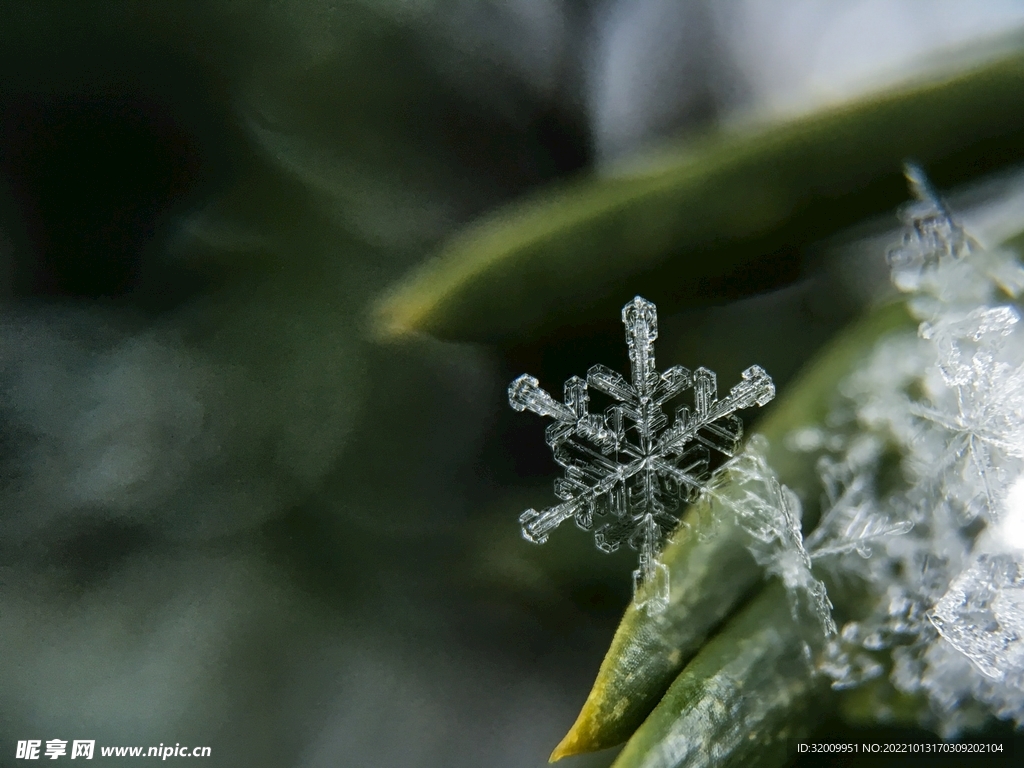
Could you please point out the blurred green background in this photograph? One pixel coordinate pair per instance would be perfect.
(266, 269)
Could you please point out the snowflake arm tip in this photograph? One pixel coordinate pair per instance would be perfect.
(525, 394)
(536, 526)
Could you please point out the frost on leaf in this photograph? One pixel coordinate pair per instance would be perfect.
(977, 399)
(770, 514)
(628, 466)
(944, 600)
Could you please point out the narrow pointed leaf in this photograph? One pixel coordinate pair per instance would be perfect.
(744, 700)
(723, 216)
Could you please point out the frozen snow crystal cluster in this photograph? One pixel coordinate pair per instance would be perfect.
(627, 465)
(770, 513)
(921, 461)
(927, 441)
(748, 491)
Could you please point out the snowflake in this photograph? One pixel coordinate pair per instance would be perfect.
(851, 520)
(628, 464)
(981, 409)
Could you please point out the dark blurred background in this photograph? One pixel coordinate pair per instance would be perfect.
(230, 518)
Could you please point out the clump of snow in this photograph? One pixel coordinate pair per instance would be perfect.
(920, 460)
(947, 621)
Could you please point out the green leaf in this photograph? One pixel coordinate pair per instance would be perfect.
(710, 568)
(719, 217)
(744, 700)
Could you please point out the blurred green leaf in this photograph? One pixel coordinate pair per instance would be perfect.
(720, 217)
(710, 568)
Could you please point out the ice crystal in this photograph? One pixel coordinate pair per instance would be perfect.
(770, 514)
(938, 265)
(851, 521)
(947, 622)
(982, 410)
(982, 615)
(851, 524)
(627, 464)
